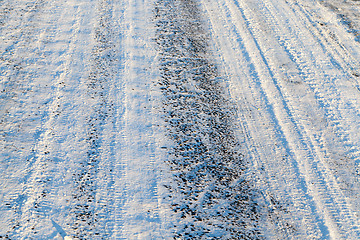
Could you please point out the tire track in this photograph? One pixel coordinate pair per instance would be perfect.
(240, 58)
(141, 212)
(348, 12)
(24, 118)
(44, 196)
(309, 183)
(253, 68)
(339, 212)
(209, 192)
(90, 211)
(340, 53)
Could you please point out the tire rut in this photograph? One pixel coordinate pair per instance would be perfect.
(88, 223)
(209, 191)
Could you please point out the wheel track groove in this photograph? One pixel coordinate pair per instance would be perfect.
(209, 193)
(301, 128)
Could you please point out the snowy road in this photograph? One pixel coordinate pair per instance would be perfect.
(180, 119)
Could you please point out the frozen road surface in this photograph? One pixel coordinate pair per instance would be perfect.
(179, 119)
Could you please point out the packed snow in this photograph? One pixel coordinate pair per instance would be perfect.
(180, 119)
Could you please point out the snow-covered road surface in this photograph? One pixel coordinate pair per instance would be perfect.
(293, 71)
(180, 119)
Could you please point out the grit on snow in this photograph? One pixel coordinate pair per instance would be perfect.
(180, 119)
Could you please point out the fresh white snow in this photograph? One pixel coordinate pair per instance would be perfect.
(163, 119)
